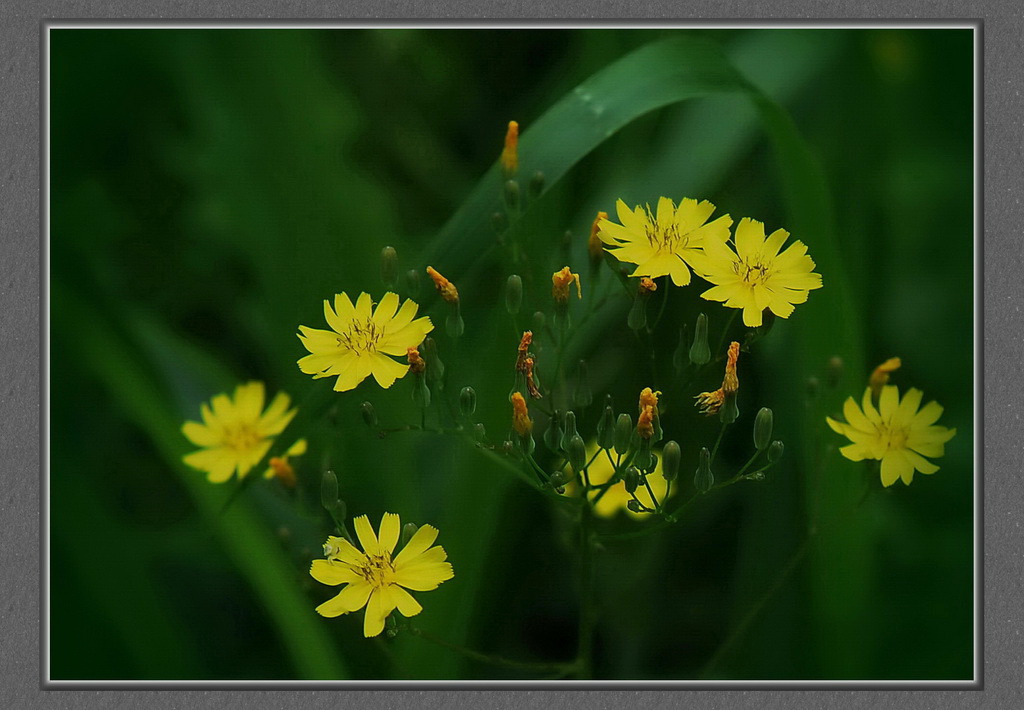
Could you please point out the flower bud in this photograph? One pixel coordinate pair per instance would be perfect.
(553, 434)
(703, 479)
(512, 195)
(454, 325)
(730, 410)
(700, 352)
(606, 429)
(408, 530)
(568, 430)
(435, 368)
(775, 451)
(623, 433)
(560, 478)
(835, 371)
(633, 506)
(480, 432)
(421, 392)
(645, 460)
(763, 428)
(536, 184)
(467, 401)
(681, 355)
(329, 490)
(413, 282)
(369, 414)
(670, 458)
(539, 321)
(389, 267)
(637, 318)
(513, 294)
(577, 453)
(499, 222)
(582, 395)
(631, 478)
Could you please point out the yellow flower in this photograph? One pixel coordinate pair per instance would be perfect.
(666, 243)
(376, 580)
(360, 340)
(616, 499)
(279, 467)
(897, 434)
(236, 434)
(756, 276)
(510, 153)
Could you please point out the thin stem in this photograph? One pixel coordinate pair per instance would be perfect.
(493, 660)
(718, 441)
(586, 630)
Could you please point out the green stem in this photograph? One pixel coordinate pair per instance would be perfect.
(586, 630)
(561, 668)
(718, 441)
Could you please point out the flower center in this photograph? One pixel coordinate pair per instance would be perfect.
(664, 237)
(377, 570)
(361, 337)
(753, 272)
(893, 437)
(242, 438)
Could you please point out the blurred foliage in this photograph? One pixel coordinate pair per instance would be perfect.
(210, 187)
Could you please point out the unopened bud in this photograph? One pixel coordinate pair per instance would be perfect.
(775, 451)
(700, 352)
(577, 453)
(513, 294)
(329, 490)
(623, 433)
(467, 401)
(369, 414)
(730, 410)
(413, 282)
(633, 506)
(553, 435)
(480, 432)
(560, 478)
(835, 371)
(454, 325)
(671, 455)
(389, 267)
(582, 395)
(813, 385)
(539, 321)
(512, 195)
(703, 479)
(536, 184)
(568, 430)
(631, 479)
(435, 368)
(408, 530)
(681, 355)
(763, 428)
(606, 429)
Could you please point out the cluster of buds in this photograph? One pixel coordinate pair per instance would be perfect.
(724, 398)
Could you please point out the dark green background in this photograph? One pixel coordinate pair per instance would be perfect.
(210, 187)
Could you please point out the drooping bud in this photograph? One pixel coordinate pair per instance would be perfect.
(703, 479)
(413, 282)
(467, 401)
(369, 414)
(763, 428)
(700, 352)
(623, 433)
(711, 403)
(513, 294)
(560, 282)
(389, 267)
(880, 376)
(510, 154)
(606, 429)
(536, 184)
(582, 395)
(595, 247)
(671, 456)
(631, 479)
(775, 451)
(444, 287)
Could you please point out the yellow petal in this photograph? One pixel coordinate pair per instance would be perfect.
(386, 371)
(386, 309)
(416, 546)
(351, 598)
(345, 551)
(424, 577)
(749, 238)
(200, 435)
(854, 452)
(344, 308)
(679, 273)
(752, 316)
(869, 409)
(336, 323)
(928, 415)
(277, 416)
(373, 622)
(666, 212)
(364, 307)
(249, 401)
(888, 402)
(855, 417)
(297, 449)
(631, 220)
(398, 342)
(218, 463)
(404, 316)
(691, 215)
(908, 406)
(367, 538)
(920, 463)
(390, 529)
(774, 242)
(358, 370)
(406, 604)
(895, 466)
(332, 574)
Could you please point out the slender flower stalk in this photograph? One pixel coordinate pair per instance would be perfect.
(710, 403)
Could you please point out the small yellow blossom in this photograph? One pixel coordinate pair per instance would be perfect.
(756, 276)
(560, 282)
(360, 340)
(595, 248)
(444, 287)
(897, 433)
(521, 421)
(665, 243)
(711, 403)
(880, 376)
(510, 153)
(280, 467)
(236, 434)
(617, 499)
(374, 578)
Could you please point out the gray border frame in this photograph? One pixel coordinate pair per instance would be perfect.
(25, 305)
